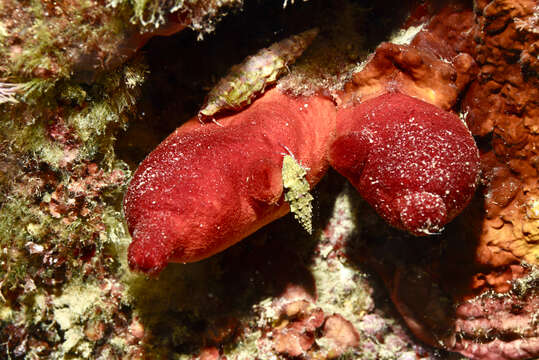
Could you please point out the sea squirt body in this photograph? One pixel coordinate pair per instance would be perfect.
(415, 163)
(206, 187)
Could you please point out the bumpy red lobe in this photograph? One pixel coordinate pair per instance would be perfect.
(206, 187)
(416, 164)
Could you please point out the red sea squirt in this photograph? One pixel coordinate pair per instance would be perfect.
(415, 163)
(206, 187)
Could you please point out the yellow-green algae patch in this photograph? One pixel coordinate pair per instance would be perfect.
(74, 303)
(71, 310)
(341, 288)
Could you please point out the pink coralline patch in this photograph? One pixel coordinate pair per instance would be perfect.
(299, 322)
(499, 327)
(296, 334)
(341, 333)
(416, 164)
(136, 329)
(298, 337)
(292, 342)
(209, 353)
(206, 187)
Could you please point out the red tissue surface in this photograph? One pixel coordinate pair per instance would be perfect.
(416, 164)
(206, 187)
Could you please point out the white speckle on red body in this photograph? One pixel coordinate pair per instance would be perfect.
(415, 164)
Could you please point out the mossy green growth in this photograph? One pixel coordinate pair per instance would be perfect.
(38, 92)
(43, 239)
(16, 216)
(202, 15)
(47, 41)
(45, 234)
(107, 99)
(60, 181)
(297, 192)
(89, 113)
(112, 100)
(33, 139)
(153, 12)
(48, 139)
(116, 239)
(24, 230)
